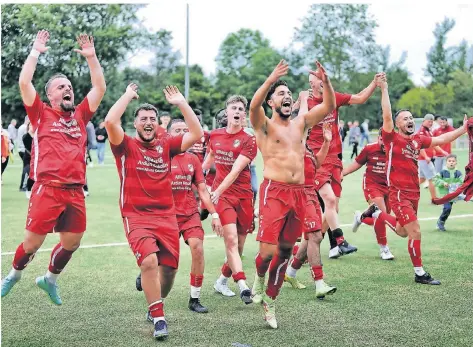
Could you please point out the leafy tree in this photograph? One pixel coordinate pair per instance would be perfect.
(419, 101)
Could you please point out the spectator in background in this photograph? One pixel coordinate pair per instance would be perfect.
(164, 118)
(101, 137)
(27, 140)
(12, 132)
(354, 138)
(343, 130)
(365, 132)
(22, 130)
(443, 128)
(436, 124)
(5, 149)
(91, 142)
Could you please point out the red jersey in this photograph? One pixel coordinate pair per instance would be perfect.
(309, 168)
(315, 138)
(145, 175)
(59, 144)
(447, 147)
(430, 152)
(186, 170)
(200, 147)
(402, 156)
(375, 159)
(227, 147)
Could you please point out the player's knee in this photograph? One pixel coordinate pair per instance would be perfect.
(197, 248)
(330, 201)
(150, 263)
(231, 243)
(316, 237)
(31, 247)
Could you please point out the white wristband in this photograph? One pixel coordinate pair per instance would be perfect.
(215, 215)
(35, 53)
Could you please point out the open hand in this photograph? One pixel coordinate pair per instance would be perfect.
(40, 42)
(327, 129)
(215, 195)
(217, 226)
(85, 42)
(280, 70)
(320, 73)
(173, 95)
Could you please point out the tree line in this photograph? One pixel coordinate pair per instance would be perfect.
(340, 36)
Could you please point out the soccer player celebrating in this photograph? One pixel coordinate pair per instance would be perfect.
(232, 150)
(375, 188)
(310, 246)
(146, 203)
(328, 180)
(282, 197)
(57, 202)
(186, 170)
(403, 148)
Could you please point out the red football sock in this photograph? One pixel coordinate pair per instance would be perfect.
(413, 246)
(261, 265)
(388, 219)
(239, 276)
(295, 263)
(226, 271)
(317, 272)
(368, 220)
(157, 309)
(196, 280)
(277, 269)
(380, 230)
(21, 258)
(59, 258)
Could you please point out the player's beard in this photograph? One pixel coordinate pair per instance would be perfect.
(282, 115)
(144, 138)
(67, 108)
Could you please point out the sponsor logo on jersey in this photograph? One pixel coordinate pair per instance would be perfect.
(190, 167)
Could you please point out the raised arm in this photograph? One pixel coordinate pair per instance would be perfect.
(209, 160)
(240, 163)
(322, 153)
(113, 119)
(365, 94)
(257, 116)
(451, 136)
(318, 113)
(388, 124)
(99, 87)
(27, 90)
(174, 97)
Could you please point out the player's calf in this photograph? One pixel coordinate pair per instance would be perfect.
(20, 261)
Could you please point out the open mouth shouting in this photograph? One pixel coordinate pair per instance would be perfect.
(148, 130)
(410, 127)
(286, 105)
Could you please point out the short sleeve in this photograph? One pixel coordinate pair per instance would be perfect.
(342, 99)
(387, 137)
(249, 148)
(426, 141)
(35, 111)
(175, 144)
(85, 111)
(362, 158)
(121, 149)
(198, 172)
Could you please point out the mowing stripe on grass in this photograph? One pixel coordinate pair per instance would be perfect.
(116, 244)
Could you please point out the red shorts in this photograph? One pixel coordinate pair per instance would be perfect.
(281, 212)
(56, 208)
(330, 172)
(190, 226)
(237, 211)
(153, 234)
(373, 190)
(404, 205)
(313, 213)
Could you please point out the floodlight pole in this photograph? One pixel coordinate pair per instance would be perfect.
(186, 88)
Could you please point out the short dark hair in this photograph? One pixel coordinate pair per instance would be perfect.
(197, 112)
(165, 114)
(401, 110)
(273, 89)
(443, 118)
(451, 156)
(52, 78)
(145, 107)
(219, 116)
(174, 121)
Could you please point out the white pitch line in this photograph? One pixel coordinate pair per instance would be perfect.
(117, 244)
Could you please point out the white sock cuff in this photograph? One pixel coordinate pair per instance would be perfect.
(154, 303)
